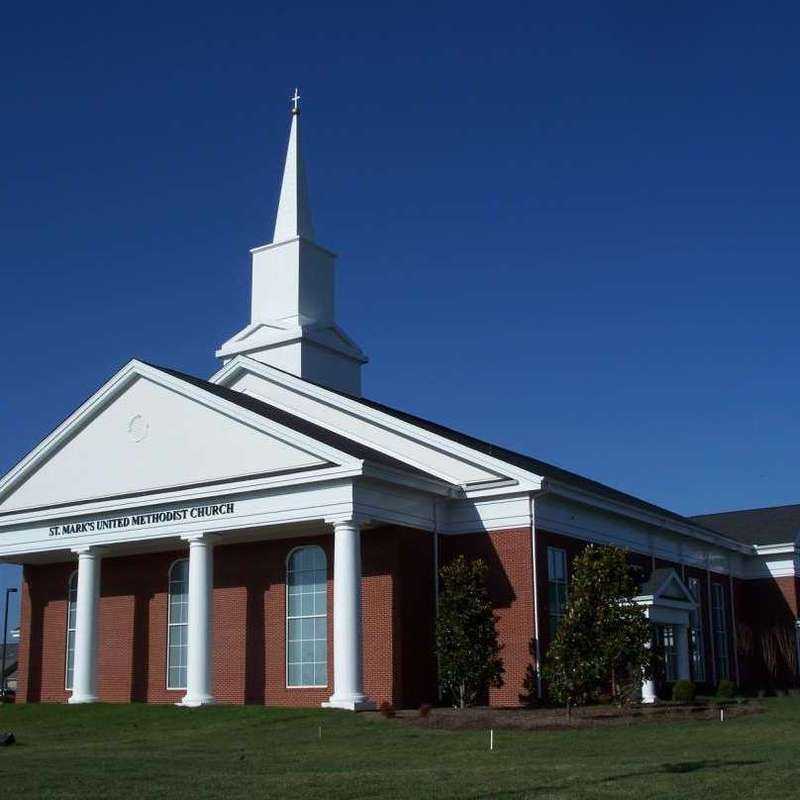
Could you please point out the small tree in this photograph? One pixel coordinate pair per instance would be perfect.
(466, 638)
(604, 638)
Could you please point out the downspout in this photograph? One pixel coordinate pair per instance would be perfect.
(711, 636)
(733, 625)
(534, 564)
(436, 592)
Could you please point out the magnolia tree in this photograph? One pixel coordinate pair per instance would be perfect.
(466, 637)
(604, 638)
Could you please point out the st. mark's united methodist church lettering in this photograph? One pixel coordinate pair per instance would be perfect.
(141, 520)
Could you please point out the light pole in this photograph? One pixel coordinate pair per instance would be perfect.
(9, 592)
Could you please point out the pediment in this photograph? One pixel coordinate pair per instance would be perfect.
(146, 432)
(665, 585)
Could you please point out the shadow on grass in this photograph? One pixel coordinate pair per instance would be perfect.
(680, 767)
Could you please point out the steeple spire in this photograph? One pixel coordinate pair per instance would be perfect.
(292, 309)
(294, 212)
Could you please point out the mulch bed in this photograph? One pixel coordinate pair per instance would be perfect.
(587, 717)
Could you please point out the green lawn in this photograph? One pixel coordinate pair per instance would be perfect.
(230, 752)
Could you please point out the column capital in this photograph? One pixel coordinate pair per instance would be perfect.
(348, 520)
(89, 550)
(201, 538)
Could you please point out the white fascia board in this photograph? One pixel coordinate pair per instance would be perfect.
(242, 365)
(665, 602)
(117, 384)
(253, 510)
(469, 515)
(401, 478)
(774, 549)
(378, 503)
(590, 498)
(214, 490)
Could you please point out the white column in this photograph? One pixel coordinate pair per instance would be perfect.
(649, 691)
(199, 630)
(649, 686)
(84, 679)
(682, 647)
(348, 691)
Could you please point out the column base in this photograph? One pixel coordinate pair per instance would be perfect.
(197, 701)
(79, 699)
(358, 703)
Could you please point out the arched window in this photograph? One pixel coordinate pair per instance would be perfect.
(178, 624)
(72, 608)
(307, 617)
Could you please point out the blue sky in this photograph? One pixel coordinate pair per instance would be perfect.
(568, 228)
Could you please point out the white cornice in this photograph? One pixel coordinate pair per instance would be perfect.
(651, 517)
(137, 369)
(243, 365)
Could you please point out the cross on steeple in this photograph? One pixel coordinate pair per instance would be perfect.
(295, 98)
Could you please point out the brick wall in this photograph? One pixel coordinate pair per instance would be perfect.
(249, 624)
(510, 584)
(767, 609)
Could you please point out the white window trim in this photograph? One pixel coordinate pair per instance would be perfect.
(695, 589)
(565, 583)
(73, 577)
(723, 656)
(170, 624)
(286, 617)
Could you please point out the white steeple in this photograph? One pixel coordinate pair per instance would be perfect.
(292, 324)
(294, 212)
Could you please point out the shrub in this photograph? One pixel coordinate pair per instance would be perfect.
(604, 638)
(725, 689)
(424, 710)
(683, 691)
(467, 643)
(387, 709)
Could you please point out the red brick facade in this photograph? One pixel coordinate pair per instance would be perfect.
(398, 607)
(249, 624)
(508, 554)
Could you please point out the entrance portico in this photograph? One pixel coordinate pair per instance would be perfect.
(348, 689)
(668, 605)
(311, 482)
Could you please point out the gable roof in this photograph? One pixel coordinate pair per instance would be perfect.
(760, 526)
(535, 466)
(657, 584)
(529, 463)
(299, 424)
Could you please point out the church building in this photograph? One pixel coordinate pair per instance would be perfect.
(269, 535)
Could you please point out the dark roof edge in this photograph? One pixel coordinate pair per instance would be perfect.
(528, 463)
(299, 424)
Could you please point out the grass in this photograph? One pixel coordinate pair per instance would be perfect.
(145, 752)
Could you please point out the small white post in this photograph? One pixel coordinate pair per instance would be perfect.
(491, 738)
(722, 715)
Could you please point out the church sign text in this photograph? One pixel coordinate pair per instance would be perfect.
(143, 520)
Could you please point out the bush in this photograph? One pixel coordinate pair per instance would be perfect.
(424, 710)
(725, 689)
(387, 709)
(683, 691)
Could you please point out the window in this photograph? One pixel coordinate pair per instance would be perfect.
(719, 624)
(556, 586)
(178, 624)
(307, 617)
(666, 641)
(72, 612)
(696, 648)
